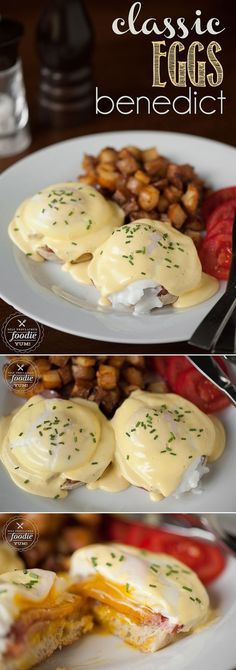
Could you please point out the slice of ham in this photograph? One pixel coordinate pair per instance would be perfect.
(70, 484)
(48, 254)
(167, 298)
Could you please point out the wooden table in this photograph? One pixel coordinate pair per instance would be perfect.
(121, 66)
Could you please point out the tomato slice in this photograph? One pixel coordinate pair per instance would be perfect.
(206, 560)
(222, 218)
(213, 565)
(176, 365)
(216, 254)
(193, 386)
(216, 199)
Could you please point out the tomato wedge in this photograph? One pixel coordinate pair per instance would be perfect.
(222, 218)
(216, 199)
(205, 559)
(193, 386)
(176, 365)
(216, 254)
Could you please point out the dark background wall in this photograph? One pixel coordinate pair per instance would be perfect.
(123, 65)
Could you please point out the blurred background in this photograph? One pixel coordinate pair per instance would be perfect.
(122, 65)
(201, 542)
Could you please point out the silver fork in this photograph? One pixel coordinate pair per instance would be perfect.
(209, 367)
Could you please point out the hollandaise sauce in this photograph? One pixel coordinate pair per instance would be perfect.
(64, 222)
(162, 440)
(50, 444)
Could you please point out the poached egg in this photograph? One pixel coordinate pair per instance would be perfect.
(50, 445)
(164, 442)
(64, 222)
(146, 580)
(146, 264)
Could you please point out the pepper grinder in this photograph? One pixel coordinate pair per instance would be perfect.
(64, 44)
(14, 131)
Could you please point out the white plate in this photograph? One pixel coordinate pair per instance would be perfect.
(28, 286)
(213, 647)
(218, 490)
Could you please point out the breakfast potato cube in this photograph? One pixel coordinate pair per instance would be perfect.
(163, 204)
(133, 376)
(59, 361)
(176, 215)
(89, 179)
(107, 376)
(137, 361)
(52, 379)
(107, 176)
(137, 153)
(89, 163)
(85, 361)
(156, 168)
(66, 374)
(82, 388)
(42, 364)
(190, 198)
(134, 185)
(174, 176)
(107, 155)
(172, 194)
(149, 154)
(116, 361)
(141, 176)
(149, 197)
(83, 372)
(127, 165)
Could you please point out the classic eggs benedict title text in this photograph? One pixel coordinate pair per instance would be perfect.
(192, 67)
